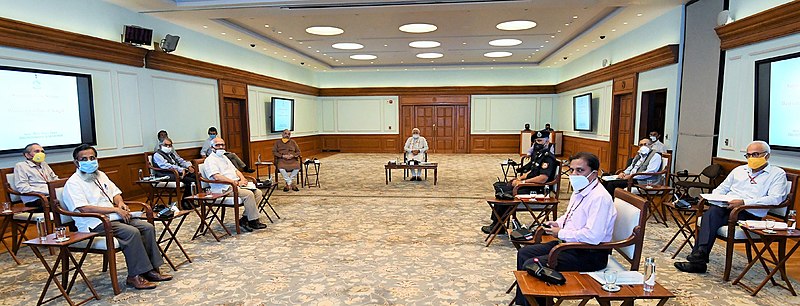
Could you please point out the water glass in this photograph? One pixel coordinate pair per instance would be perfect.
(791, 218)
(533, 195)
(61, 233)
(770, 226)
(6, 207)
(610, 276)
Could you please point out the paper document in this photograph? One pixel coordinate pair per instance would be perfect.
(610, 177)
(761, 224)
(623, 277)
(250, 185)
(720, 200)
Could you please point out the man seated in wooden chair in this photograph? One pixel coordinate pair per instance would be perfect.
(416, 148)
(219, 168)
(168, 159)
(206, 151)
(589, 218)
(757, 183)
(287, 160)
(542, 168)
(91, 191)
(646, 160)
(32, 175)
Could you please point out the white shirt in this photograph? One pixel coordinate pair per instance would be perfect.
(770, 188)
(659, 147)
(219, 165)
(589, 217)
(32, 178)
(652, 167)
(79, 193)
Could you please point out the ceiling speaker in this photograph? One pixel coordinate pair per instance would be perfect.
(724, 18)
(169, 43)
(137, 35)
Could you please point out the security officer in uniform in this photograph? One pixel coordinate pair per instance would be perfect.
(541, 169)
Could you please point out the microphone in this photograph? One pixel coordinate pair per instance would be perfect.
(536, 260)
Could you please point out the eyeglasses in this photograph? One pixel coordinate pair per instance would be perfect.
(755, 154)
(219, 145)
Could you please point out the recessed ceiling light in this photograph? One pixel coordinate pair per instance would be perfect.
(559, 31)
(552, 36)
(639, 15)
(300, 42)
(363, 57)
(291, 37)
(575, 17)
(385, 45)
(266, 26)
(547, 41)
(347, 46)
(238, 39)
(424, 44)
(430, 55)
(324, 30)
(516, 25)
(505, 42)
(625, 23)
(417, 28)
(279, 32)
(463, 43)
(223, 33)
(613, 30)
(205, 27)
(541, 46)
(497, 54)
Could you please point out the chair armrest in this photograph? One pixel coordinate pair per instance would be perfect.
(250, 178)
(552, 259)
(733, 217)
(537, 236)
(148, 211)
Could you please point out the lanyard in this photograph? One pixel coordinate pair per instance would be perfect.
(96, 182)
(753, 178)
(569, 213)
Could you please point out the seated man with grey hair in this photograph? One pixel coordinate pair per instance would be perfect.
(646, 160)
(757, 182)
(237, 162)
(32, 175)
(287, 159)
(415, 149)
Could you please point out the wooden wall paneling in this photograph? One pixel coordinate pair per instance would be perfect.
(434, 99)
(309, 146)
(462, 129)
(362, 143)
(600, 148)
(729, 164)
(494, 143)
(663, 56)
(451, 90)
(23, 35)
(776, 22)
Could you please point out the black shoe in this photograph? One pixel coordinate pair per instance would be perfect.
(248, 170)
(186, 205)
(286, 188)
(488, 229)
(294, 187)
(255, 224)
(698, 257)
(245, 225)
(692, 267)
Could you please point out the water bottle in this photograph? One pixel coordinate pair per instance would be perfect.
(547, 191)
(41, 229)
(649, 274)
(141, 174)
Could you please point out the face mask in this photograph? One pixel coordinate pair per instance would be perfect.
(219, 152)
(644, 150)
(756, 162)
(579, 182)
(212, 136)
(38, 157)
(285, 140)
(89, 166)
(415, 136)
(166, 149)
(538, 147)
(653, 138)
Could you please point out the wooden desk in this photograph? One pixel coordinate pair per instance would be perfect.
(628, 293)
(8, 218)
(63, 261)
(583, 287)
(779, 260)
(429, 166)
(203, 200)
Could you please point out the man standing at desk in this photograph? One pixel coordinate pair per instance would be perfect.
(758, 182)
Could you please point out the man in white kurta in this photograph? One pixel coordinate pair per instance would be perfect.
(415, 150)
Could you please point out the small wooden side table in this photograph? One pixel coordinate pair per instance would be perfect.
(780, 236)
(576, 288)
(204, 201)
(63, 261)
(8, 218)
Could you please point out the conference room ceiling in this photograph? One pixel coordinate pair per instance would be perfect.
(564, 29)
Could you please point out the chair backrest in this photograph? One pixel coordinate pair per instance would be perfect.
(629, 226)
(56, 195)
(666, 167)
(148, 161)
(791, 193)
(8, 184)
(712, 172)
(201, 174)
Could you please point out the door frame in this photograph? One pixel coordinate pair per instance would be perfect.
(434, 100)
(622, 86)
(237, 91)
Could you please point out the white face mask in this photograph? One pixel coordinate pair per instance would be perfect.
(415, 136)
(644, 150)
(166, 149)
(219, 152)
(653, 138)
(579, 182)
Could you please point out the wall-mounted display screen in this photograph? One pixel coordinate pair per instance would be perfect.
(777, 102)
(282, 114)
(582, 112)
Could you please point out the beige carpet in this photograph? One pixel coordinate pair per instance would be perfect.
(357, 241)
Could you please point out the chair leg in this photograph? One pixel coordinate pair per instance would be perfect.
(105, 263)
(112, 271)
(728, 261)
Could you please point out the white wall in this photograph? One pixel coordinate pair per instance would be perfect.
(662, 31)
(507, 114)
(130, 104)
(359, 115)
(601, 94)
(661, 78)
(438, 77)
(742, 8)
(305, 113)
(736, 120)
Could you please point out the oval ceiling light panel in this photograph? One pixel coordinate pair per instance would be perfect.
(424, 44)
(497, 54)
(347, 46)
(324, 30)
(516, 25)
(363, 57)
(430, 55)
(505, 42)
(418, 28)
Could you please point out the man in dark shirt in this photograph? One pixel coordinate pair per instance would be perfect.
(543, 168)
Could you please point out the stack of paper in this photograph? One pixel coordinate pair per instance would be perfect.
(761, 224)
(623, 277)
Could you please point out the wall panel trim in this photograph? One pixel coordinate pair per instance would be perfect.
(776, 22)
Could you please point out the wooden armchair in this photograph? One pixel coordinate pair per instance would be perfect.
(666, 165)
(733, 234)
(21, 221)
(161, 189)
(217, 208)
(104, 243)
(300, 175)
(545, 210)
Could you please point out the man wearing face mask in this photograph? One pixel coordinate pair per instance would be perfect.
(32, 175)
(646, 161)
(162, 134)
(220, 168)
(237, 162)
(415, 149)
(542, 168)
(657, 145)
(91, 191)
(589, 218)
(758, 182)
(167, 158)
(287, 160)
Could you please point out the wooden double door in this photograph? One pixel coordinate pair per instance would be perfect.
(442, 120)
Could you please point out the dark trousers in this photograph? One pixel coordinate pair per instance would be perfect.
(569, 260)
(138, 242)
(714, 218)
(38, 204)
(614, 184)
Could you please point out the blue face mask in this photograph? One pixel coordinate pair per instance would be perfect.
(89, 166)
(212, 136)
